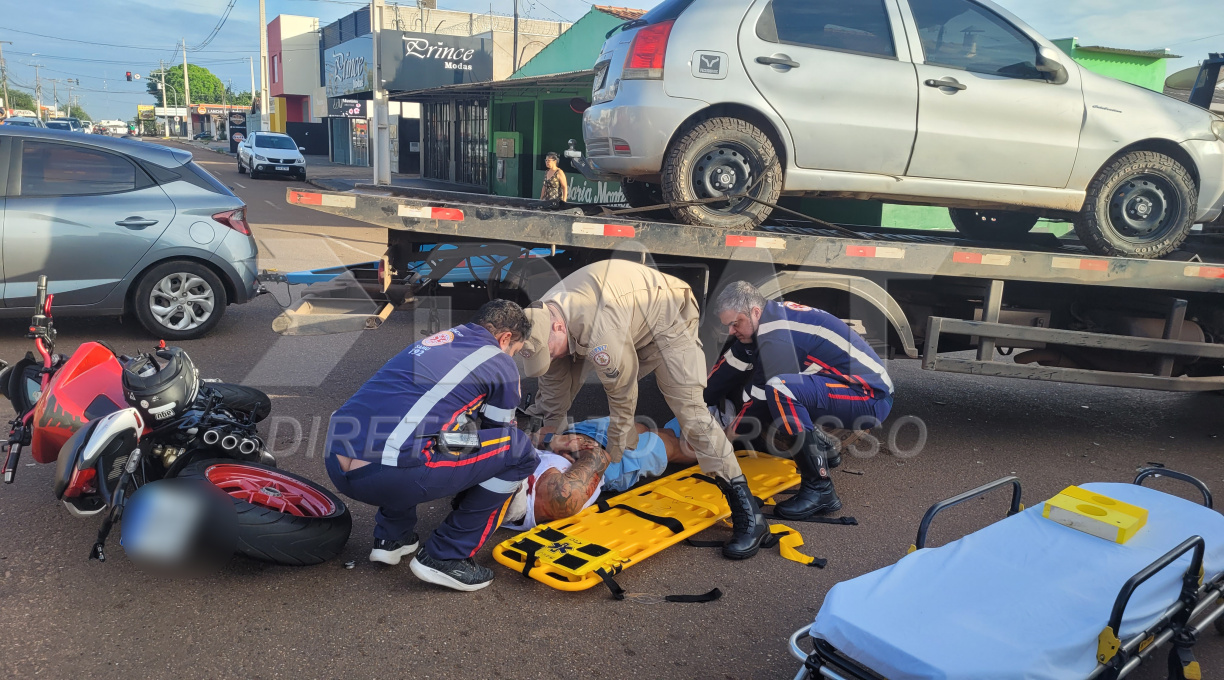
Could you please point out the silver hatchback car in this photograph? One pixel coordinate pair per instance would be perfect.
(953, 103)
(120, 226)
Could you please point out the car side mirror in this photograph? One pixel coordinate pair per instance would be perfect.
(302, 149)
(1049, 62)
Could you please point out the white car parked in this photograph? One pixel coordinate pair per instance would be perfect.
(271, 153)
(954, 103)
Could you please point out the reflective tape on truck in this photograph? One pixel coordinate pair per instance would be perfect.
(992, 259)
(739, 241)
(329, 200)
(427, 213)
(876, 251)
(1080, 263)
(616, 230)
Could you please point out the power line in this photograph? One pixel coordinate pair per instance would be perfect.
(84, 42)
(216, 29)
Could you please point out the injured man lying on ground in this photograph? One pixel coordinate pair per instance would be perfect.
(575, 468)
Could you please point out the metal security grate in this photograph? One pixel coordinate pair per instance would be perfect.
(472, 142)
(436, 124)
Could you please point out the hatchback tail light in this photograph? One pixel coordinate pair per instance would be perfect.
(646, 52)
(234, 219)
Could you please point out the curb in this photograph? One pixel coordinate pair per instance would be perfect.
(328, 184)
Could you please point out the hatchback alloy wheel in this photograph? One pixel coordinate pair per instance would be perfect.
(182, 301)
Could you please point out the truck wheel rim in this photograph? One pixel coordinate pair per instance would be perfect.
(1142, 208)
(724, 169)
(182, 301)
(270, 489)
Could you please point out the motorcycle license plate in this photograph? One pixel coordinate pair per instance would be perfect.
(282, 168)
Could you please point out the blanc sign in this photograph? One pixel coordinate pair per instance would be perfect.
(350, 67)
(416, 61)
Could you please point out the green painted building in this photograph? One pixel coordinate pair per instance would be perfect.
(1145, 68)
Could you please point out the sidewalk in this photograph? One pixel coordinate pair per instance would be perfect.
(329, 176)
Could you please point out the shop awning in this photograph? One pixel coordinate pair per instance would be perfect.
(556, 85)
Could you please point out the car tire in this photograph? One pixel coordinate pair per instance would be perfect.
(1141, 204)
(241, 170)
(269, 534)
(694, 170)
(175, 278)
(992, 225)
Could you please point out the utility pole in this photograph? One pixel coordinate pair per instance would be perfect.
(187, 92)
(251, 63)
(37, 92)
(264, 117)
(4, 75)
(382, 132)
(161, 70)
(54, 94)
(514, 57)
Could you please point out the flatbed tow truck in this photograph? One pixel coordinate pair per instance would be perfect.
(933, 296)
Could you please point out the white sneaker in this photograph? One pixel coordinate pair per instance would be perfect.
(391, 552)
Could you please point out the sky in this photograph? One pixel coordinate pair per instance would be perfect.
(97, 41)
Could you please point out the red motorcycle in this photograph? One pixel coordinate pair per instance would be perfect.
(113, 423)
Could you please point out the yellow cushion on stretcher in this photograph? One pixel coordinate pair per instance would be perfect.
(1094, 514)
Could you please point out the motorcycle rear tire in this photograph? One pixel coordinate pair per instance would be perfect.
(270, 535)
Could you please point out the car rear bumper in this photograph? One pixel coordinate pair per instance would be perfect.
(238, 258)
(642, 118)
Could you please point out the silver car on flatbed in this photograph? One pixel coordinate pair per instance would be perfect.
(954, 103)
(120, 226)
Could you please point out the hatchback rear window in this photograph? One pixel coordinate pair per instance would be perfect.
(49, 169)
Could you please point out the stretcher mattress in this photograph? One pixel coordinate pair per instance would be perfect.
(1023, 598)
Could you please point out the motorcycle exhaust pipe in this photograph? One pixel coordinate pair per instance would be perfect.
(211, 437)
(247, 446)
(229, 442)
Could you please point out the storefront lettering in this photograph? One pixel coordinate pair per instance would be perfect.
(455, 58)
(584, 192)
(346, 66)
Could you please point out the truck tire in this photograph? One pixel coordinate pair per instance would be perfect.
(720, 157)
(1141, 204)
(188, 285)
(283, 518)
(992, 225)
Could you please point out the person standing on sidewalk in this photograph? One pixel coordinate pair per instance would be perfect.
(436, 421)
(625, 321)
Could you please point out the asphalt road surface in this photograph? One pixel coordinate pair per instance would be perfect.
(61, 615)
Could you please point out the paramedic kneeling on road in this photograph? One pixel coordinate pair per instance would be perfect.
(385, 447)
(802, 366)
(623, 321)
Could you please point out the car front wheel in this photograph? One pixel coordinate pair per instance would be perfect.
(241, 170)
(179, 300)
(722, 157)
(1142, 204)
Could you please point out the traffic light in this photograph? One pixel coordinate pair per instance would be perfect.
(129, 76)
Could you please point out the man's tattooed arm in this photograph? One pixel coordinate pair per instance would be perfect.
(562, 494)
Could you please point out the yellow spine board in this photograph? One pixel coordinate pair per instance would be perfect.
(1094, 514)
(568, 552)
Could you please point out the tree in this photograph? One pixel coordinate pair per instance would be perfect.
(20, 100)
(75, 111)
(206, 88)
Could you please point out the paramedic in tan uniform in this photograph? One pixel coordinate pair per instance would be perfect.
(623, 321)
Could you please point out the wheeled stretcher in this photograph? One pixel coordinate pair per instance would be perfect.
(1029, 598)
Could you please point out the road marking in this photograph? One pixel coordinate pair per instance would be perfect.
(272, 204)
(239, 185)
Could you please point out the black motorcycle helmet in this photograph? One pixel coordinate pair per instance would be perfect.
(161, 385)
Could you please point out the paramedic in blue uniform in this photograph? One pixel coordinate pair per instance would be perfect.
(797, 367)
(386, 446)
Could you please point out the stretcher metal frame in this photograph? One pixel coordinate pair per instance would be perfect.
(1199, 606)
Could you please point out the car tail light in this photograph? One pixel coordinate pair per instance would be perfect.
(234, 219)
(82, 482)
(646, 52)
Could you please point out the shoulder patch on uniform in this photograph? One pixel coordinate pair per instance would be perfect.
(600, 356)
(443, 338)
(795, 306)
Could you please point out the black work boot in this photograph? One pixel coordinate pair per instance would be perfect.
(816, 495)
(748, 525)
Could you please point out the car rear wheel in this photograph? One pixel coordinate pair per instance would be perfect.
(179, 300)
(1142, 204)
(992, 225)
(722, 157)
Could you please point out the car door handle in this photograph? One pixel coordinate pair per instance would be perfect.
(778, 60)
(136, 222)
(949, 83)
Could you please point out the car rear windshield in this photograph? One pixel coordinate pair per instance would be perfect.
(270, 142)
(665, 11)
(58, 125)
(203, 179)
